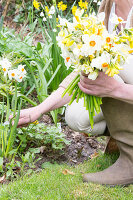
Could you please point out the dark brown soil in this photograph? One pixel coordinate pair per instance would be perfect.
(81, 146)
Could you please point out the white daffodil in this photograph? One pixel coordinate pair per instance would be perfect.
(101, 17)
(93, 75)
(68, 58)
(6, 65)
(68, 62)
(63, 21)
(21, 69)
(13, 74)
(101, 62)
(52, 10)
(20, 77)
(79, 12)
(92, 43)
(105, 60)
(108, 38)
(86, 68)
(70, 27)
(41, 14)
(117, 20)
(76, 52)
(94, 1)
(99, 3)
(97, 63)
(44, 19)
(121, 49)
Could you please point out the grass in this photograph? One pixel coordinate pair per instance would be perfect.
(52, 184)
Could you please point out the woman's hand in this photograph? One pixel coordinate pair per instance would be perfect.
(28, 116)
(103, 86)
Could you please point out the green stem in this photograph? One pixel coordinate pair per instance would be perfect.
(15, 103)
(79, 95)
(32, 12)
(74, 95)
(70, 85)
(89, 110)
(97, 107)
(70, 91)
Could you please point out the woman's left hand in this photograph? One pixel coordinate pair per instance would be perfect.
(103, 86)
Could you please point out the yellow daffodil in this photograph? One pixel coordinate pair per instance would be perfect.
(74, 8)
(130, 51)
(36, 4)
(79, 26)
(68, 42)
(35, 122)
(62, 6)
(112, 71)
(47, 9)
(83, 5)
(79, 45)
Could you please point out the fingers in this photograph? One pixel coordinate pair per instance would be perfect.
(85, 79)
(82, 73)
(85, 90)
(24, 120)
(24, 125)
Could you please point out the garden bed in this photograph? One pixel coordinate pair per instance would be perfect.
(81, 146)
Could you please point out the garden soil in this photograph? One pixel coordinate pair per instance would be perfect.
(81, 146)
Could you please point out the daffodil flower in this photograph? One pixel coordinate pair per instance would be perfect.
(6, 65)
(52, 10)
(41, 14)
(36, 4)
(117, 20)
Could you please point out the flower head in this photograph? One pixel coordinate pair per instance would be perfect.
(36, 4)
(13, 74)
(52, 10)
(74, 8)
(117, 20)
(41, 14)
(6, 65)
(44, 19)
(83, 5)
(93, 75)
(62, 6)
(21, 69)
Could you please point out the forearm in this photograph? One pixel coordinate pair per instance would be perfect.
(124, 93)
(54, 101)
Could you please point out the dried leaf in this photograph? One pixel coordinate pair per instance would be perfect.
(66, 171)
(42, 148)
(94, 155)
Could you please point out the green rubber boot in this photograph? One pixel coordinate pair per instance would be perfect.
(119, 118)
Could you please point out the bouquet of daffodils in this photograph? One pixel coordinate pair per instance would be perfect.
(87, 46)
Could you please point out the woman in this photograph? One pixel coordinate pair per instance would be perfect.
(117, 108)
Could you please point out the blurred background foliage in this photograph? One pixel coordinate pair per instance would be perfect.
(19, 9)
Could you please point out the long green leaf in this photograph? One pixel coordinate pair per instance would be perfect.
(53, 76)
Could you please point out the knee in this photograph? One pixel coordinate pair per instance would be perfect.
(77, 118)
(72, 116)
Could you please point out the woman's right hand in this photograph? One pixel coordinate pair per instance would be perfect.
(28, 116)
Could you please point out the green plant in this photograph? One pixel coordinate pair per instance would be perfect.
(40, 135)
(29, 158)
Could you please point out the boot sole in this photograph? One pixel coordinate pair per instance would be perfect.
(111, 186)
